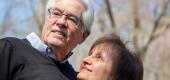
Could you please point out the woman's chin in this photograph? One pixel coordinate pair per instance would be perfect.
(82, 76)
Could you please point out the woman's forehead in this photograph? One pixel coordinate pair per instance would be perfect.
(104, 48)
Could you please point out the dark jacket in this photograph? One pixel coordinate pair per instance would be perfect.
(20, 61)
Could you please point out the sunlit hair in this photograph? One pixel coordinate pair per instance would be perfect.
(87, 16)
(128, 66)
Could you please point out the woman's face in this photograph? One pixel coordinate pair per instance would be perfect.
(99, 64)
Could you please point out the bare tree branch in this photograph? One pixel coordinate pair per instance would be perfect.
(40, 14)
(136, 26)
(156, 25)
(162, 31)
(111, 17)
(165, 24)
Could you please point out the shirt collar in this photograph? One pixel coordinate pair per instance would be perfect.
(39, 45)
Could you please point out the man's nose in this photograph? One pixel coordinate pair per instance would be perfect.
(62, 21)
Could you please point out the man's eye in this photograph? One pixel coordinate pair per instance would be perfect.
(56, 14)
(73, 19)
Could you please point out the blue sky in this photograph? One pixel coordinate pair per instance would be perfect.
(17, 11)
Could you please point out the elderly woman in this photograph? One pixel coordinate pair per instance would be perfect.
(109, 59)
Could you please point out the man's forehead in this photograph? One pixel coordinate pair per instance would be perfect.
(69, 6)
(69, 2)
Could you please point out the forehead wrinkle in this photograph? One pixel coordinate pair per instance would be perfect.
(110, 50)
(105, 48)
(71, 3)
(65, 12)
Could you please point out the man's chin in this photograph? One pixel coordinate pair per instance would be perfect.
(57, 43)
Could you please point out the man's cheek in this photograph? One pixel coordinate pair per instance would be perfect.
(51, 22)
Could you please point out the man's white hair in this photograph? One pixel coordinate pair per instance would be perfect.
(87, 16)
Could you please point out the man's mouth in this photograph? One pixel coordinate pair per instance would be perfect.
(60, 33)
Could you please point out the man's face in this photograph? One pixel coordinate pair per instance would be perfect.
(62, 29)
(98, 65)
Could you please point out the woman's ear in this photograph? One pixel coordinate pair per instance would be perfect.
(84, 36)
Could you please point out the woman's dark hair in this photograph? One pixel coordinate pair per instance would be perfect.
(128, 65)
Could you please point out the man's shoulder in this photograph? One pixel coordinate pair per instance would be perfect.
(16, 44)
(10, 39)
(14, 40)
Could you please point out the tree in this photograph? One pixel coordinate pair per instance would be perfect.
(144, 26)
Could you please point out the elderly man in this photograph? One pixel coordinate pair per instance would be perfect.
(67, 24)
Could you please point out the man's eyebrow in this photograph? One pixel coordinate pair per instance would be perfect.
(57, 9)
(67, 12)
(71, 14)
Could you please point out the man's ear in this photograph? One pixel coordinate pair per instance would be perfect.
(84, 36)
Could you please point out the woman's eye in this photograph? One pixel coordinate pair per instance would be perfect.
(99, 57)
(90, 53)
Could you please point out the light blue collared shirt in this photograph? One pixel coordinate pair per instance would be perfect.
(39, 45)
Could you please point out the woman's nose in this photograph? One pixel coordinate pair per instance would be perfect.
(87, 60)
